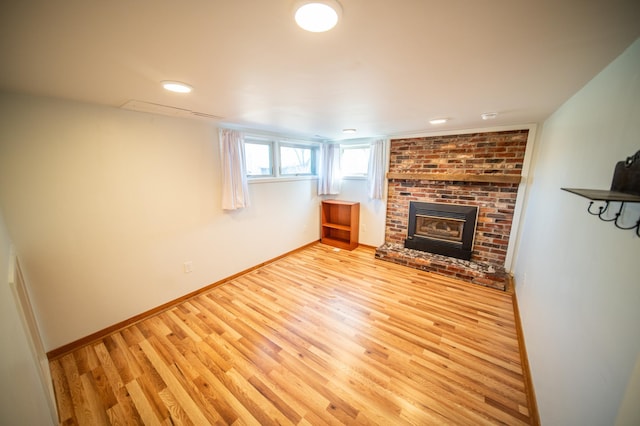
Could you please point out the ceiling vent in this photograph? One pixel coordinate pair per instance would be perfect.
(142, 106)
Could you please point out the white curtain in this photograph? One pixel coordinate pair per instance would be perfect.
(235, 190)
(329, 170)
(376, 174)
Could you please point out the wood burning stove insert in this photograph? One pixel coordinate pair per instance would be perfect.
(446, 229)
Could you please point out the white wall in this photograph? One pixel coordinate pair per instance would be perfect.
(23, 400)
(104, 206)
(577, 278)
(372, 212)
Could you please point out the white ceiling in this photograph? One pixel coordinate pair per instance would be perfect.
(386, 69)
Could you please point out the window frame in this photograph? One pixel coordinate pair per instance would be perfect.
(274, 143)
(313, 160)
(350, 146)
(259, 141)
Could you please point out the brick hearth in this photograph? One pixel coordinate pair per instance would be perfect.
(486, 156)
(474, 272)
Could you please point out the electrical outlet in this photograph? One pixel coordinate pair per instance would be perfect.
(188, 267)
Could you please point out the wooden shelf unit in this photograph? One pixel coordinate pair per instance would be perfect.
(340, 223)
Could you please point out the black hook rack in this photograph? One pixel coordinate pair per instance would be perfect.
(601, 211)
(625, 188)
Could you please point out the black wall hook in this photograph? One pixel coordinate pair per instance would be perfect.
(625, 188)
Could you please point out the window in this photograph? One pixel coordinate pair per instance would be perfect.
(258, 158)
(354, 160)
(297, 160)
(271, 158)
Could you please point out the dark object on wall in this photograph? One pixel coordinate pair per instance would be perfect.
(625, 188)
(626, 176)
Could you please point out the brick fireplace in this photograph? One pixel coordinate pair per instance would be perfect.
(481, 170)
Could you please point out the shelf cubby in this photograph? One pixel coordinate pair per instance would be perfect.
(340, 223)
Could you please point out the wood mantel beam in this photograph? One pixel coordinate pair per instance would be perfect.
(458, 177)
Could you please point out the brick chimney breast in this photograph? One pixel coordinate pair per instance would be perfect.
(490, 156)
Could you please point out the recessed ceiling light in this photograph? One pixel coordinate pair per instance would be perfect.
(349, 131)
(176, 86)
(489, 115)
(439, 121)
(317, 16)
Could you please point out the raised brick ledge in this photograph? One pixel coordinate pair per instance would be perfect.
(475, 272)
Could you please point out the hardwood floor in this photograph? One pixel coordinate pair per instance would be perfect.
(317, 337)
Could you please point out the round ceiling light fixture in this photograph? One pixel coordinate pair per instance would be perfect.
(177, 86)
(488, 115)
(437, 121)
(317, 16)
(350, 131)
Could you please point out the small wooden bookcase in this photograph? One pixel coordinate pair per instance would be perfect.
(340, 223)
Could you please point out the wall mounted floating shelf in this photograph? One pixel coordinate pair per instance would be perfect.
(625, 188)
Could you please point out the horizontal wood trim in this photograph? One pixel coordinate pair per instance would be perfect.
(341, 202)
(338, 243)
(458, 177)
(534, 415)
(367, 246)
(98, 335)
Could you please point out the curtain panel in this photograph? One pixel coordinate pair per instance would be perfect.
(329, 170)
(235, 189)
(376, 173)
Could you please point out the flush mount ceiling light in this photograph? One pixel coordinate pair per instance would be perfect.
(349, 131)
(317, 16)
(489, 115)
(438, 121)
(176, 86)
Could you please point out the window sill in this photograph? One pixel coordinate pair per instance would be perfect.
(272, 179)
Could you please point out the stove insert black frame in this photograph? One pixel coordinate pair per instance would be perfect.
(460, 250)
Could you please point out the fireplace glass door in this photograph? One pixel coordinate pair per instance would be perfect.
(440, 228)
(447, 229)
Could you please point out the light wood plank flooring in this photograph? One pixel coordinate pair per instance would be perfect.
(317, 337)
